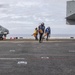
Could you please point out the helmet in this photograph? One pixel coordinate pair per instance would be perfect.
(42, 24)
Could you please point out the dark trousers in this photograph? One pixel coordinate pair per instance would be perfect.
(40, 37)
(47, 37)
(36, 38)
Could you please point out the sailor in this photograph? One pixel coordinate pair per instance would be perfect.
(41, 30)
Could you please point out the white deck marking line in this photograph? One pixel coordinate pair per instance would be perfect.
(22, 62)
(12, 58)
(44, 57)
(72, 51)
(12, 50)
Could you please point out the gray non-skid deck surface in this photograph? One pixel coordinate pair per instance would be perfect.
(33, 58)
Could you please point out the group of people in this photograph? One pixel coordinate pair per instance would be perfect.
(43, 32)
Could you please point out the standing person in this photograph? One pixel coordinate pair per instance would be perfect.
(47, 32)
(35, 34)
(41, 30)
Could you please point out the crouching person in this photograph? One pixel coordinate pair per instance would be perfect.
(35, 34)
(47, 33)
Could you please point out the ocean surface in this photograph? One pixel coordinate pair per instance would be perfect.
(30, 35)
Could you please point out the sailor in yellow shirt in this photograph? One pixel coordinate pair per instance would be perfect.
(35, 34)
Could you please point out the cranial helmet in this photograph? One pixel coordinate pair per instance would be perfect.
(42, 24)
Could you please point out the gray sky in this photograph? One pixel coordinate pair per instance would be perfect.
(22, 16)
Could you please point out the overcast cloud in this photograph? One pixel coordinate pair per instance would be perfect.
(22, 16)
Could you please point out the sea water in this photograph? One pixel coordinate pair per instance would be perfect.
(30, 35)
